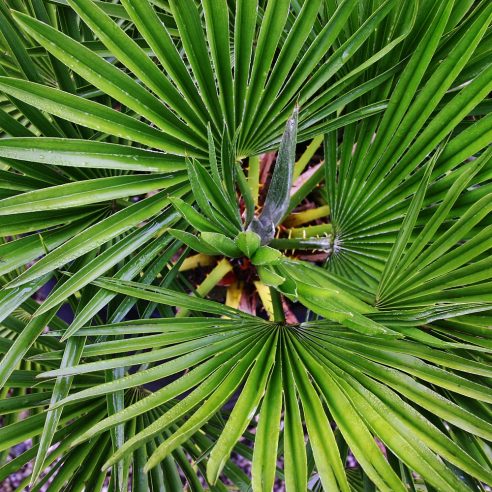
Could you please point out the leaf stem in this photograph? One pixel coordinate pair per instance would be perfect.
(313, 243)
(278, 309)
(222, 268)
(254, 177)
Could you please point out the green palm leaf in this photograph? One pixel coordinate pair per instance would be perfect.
(245, 231)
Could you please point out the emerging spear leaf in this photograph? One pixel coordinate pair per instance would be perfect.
(277, 200)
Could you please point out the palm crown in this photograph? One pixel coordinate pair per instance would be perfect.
(137, 175)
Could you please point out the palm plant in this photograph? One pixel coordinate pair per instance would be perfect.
(135, 137)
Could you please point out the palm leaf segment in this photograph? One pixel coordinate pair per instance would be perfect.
(178, 103)
(410, 251)
(328, 368)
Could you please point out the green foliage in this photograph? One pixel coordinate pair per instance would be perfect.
(131, 139)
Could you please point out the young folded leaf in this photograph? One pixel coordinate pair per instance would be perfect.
(221, 243)
(248, 242)
(278, 197)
